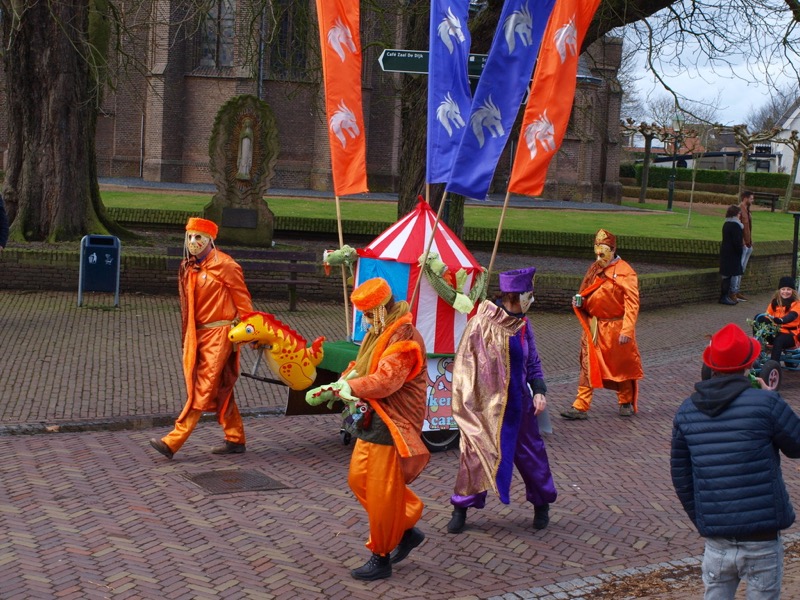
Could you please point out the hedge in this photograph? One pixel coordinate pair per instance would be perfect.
(659, 176)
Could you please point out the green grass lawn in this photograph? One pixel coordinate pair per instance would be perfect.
(656, 221)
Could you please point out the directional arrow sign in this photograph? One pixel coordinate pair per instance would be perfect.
(416, 61)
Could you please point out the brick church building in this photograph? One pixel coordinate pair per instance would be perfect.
(156, 124)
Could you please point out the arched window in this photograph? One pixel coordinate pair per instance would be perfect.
(217, 41)
(287, 40)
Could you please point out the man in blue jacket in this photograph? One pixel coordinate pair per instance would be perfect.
(726, 470)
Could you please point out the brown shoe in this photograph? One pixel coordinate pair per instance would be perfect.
(229, 448)
(739, 297)
(626, 410)
(573, 414)
(162, 448)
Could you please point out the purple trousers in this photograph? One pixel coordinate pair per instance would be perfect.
(530, 458)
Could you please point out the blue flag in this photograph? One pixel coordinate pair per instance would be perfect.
(502, 85)
(449, 96)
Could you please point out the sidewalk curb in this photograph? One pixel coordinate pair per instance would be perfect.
(130, 423)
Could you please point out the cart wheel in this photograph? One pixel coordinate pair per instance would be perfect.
(771, 374)
(346, 437)
(440, 440)
(705, 372)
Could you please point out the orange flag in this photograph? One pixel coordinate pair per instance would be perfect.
(341, 67)
(552, 93)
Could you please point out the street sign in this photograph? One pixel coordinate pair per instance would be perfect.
(416, 61)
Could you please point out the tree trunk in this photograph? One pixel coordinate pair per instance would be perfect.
(52, 78)
(648, 147)
(787, 197)
(743, 171)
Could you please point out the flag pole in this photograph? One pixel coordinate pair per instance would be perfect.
(499, 231)
(344, 272)
(427, 249)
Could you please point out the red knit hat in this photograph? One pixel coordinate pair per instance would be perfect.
(731, 350)
(371, 294)
(203, 226)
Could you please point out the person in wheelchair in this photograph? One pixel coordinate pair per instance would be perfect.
(783, 310)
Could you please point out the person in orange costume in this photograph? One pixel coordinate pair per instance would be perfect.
(213, 297)
(607, 310)
(783, 310)
(389, 376)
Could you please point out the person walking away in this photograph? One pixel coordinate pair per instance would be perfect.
(213, 298)
(498, 392)
(745, 204)
(730, 254)
(388, 377)
(607, 307)
(726, 469)
(783, 310)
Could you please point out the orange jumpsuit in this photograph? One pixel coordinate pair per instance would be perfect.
(395, 388)
(213, 294)
(610, 308)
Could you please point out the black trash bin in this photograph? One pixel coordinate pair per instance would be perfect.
(99, 269)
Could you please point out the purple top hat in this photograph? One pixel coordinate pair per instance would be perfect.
(518, 280)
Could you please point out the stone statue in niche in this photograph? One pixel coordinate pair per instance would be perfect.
(243, 150)
(245, 160)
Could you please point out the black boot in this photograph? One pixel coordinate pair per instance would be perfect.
(377, 567)
(411, 539)
(229, 448)
(541, 516)
(458, 520)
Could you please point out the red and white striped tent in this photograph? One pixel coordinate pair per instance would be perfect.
(394, 255)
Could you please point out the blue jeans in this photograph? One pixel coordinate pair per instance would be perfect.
(727, 562)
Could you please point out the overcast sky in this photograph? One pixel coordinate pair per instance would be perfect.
(742, 89)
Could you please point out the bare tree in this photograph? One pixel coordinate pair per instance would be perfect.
(746, 142)
(793, 141)
(632, 105)
(769, 114)
(649, 131)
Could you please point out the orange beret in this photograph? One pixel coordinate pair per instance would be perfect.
(371, 294)
(203, 226)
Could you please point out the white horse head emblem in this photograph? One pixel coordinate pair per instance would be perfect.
(519, 23)
(566, 40)
(448, 112)
(541, 131)
(487, 116)
(450, 27)
(344, 121)
(339, 38)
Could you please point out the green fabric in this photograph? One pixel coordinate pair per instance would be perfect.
(337, 355)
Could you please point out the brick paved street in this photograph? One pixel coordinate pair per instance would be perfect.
(96, 513)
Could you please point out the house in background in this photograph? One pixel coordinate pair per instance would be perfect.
(790, 121)
(156, 124)
(716, 150)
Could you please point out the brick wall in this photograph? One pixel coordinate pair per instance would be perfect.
(58, 270)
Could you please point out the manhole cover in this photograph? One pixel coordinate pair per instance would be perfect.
(234, 480)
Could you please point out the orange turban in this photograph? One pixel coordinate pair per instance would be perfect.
(371, 294)
(203, 226)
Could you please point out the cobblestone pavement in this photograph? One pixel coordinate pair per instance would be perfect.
(93, 512)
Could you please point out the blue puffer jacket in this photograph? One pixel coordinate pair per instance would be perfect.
(725, 459)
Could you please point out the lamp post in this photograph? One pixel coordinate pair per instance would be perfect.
(677, 125)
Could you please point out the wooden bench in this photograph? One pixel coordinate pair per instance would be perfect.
(256, 263)
(766, 199)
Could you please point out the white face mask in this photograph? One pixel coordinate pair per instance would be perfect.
(197, 242)
(604, 254)
(525, 301)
